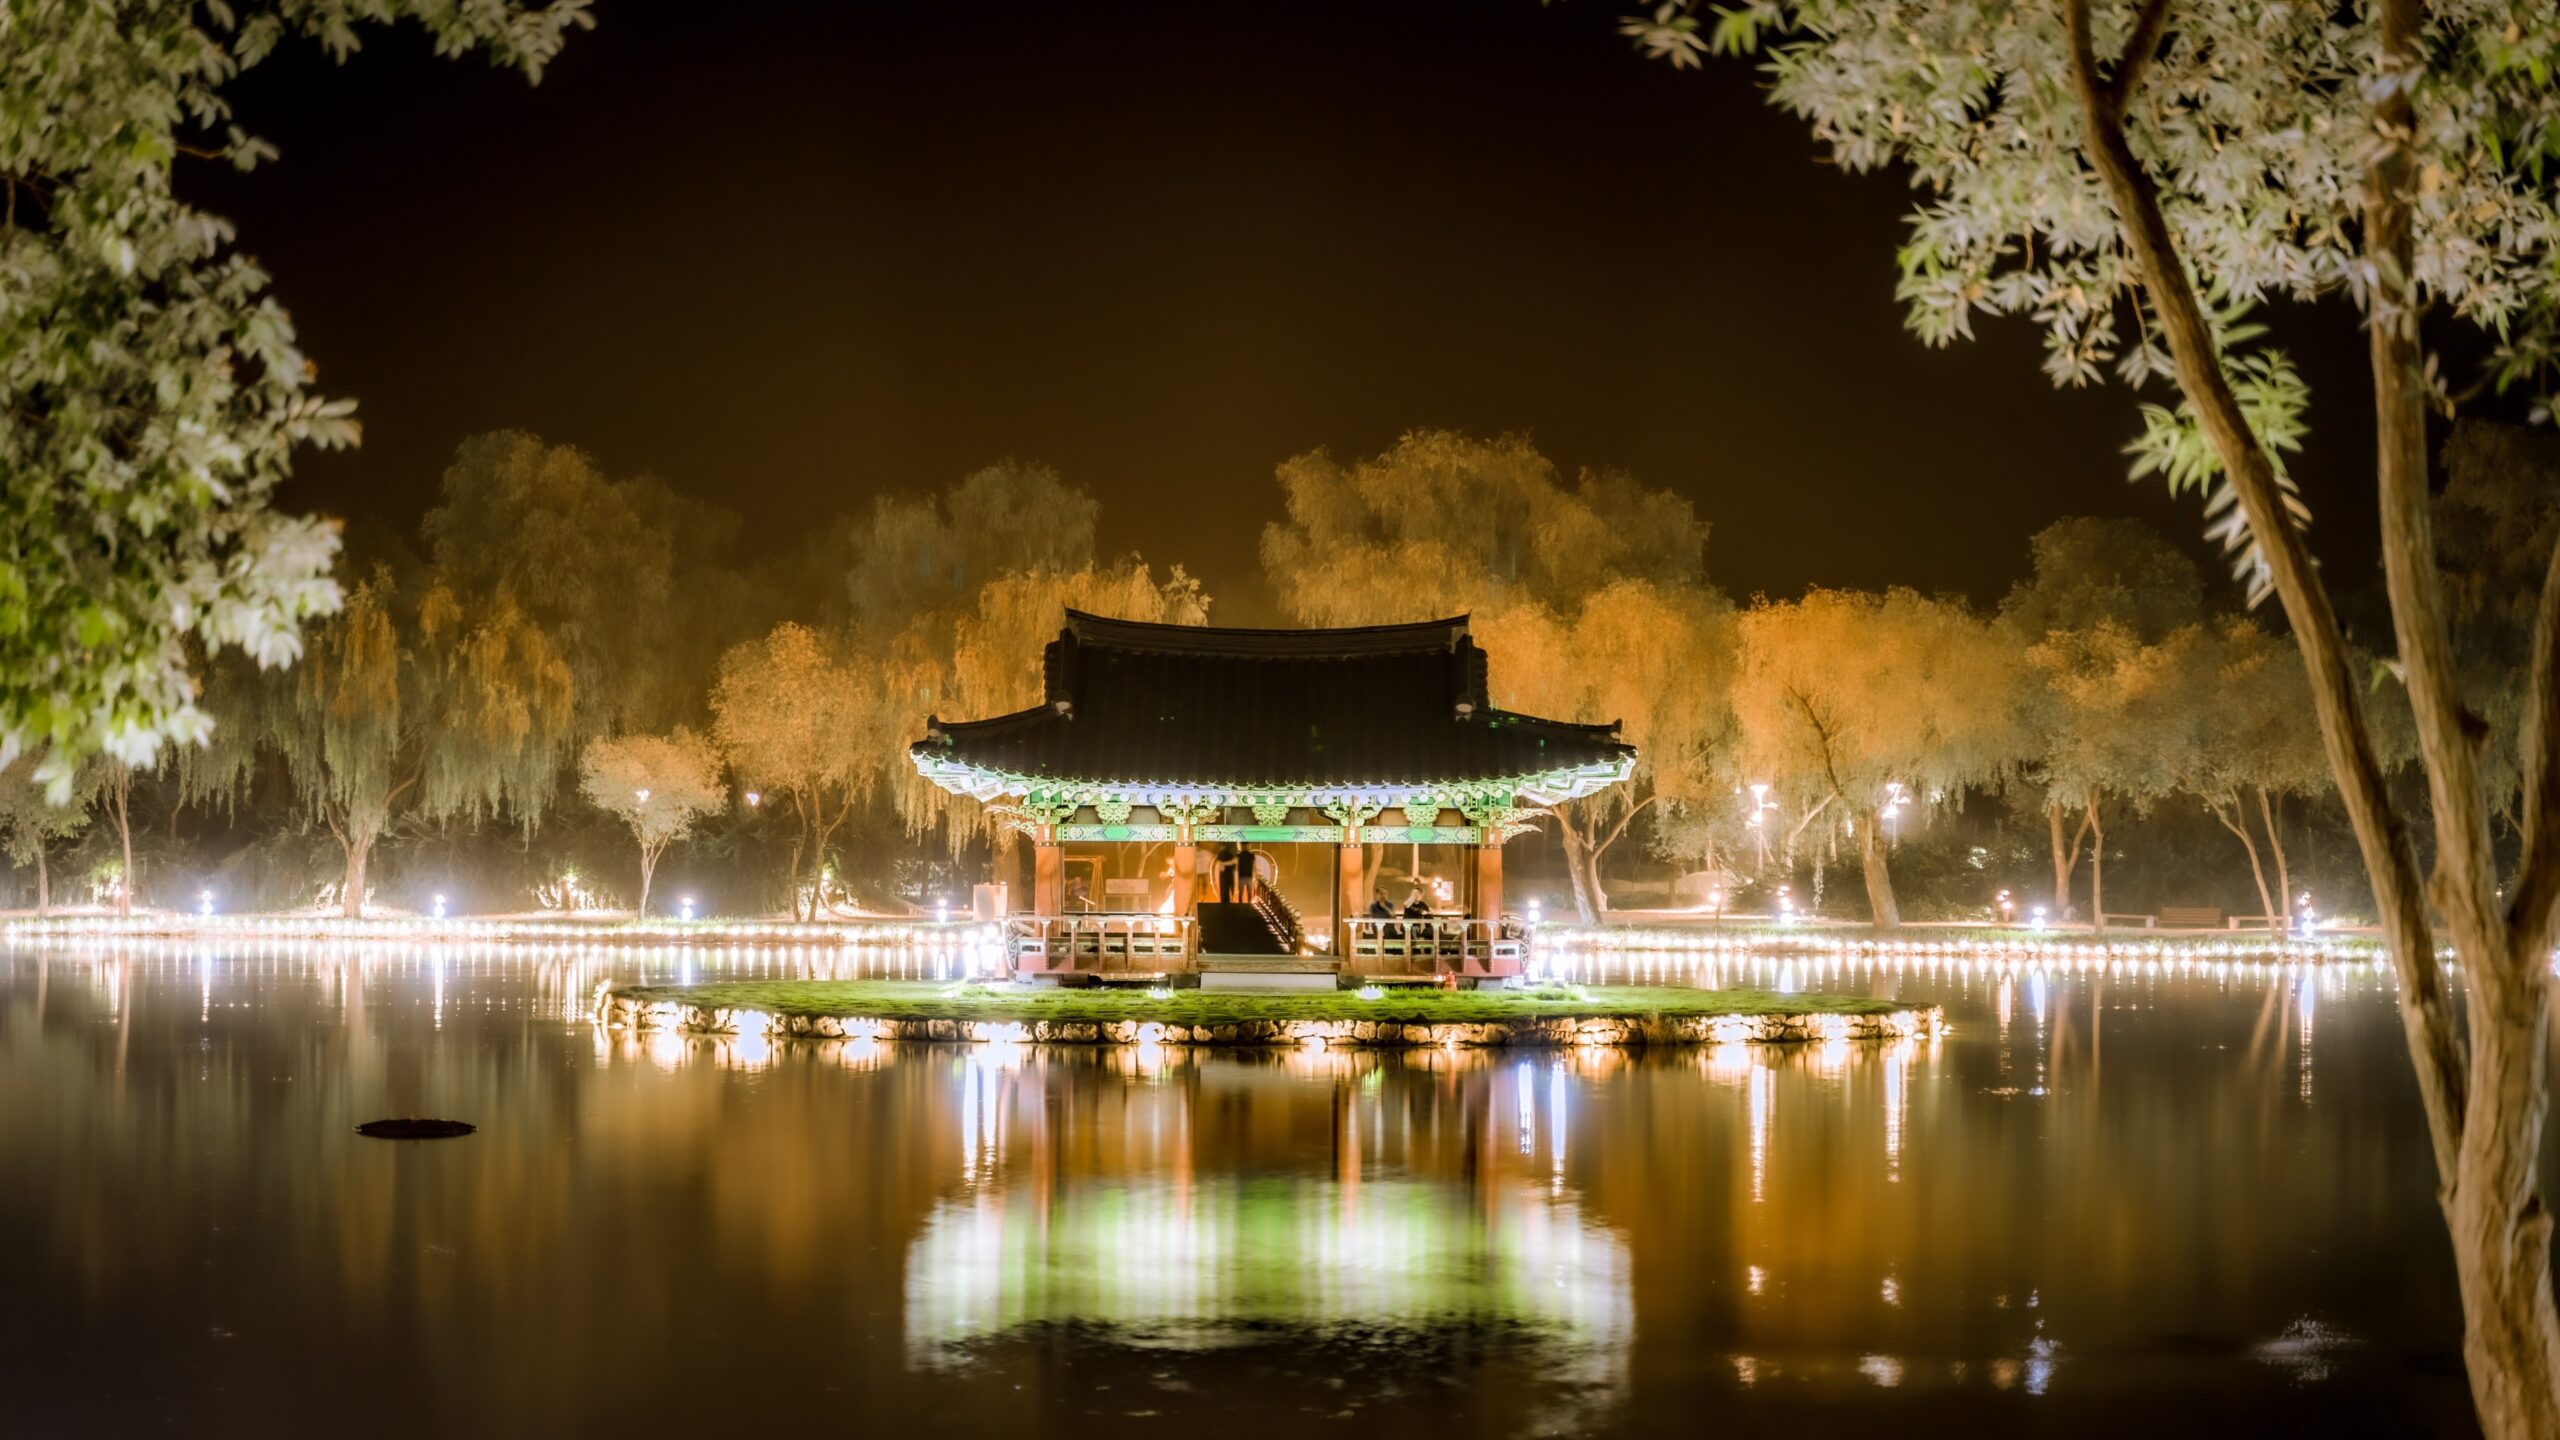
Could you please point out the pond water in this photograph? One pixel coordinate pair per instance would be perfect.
(2096, 1206)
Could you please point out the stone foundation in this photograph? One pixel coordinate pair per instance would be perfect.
(621, 1012)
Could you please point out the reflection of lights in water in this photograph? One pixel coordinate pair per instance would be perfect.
(2040, 1362)
(2306, 998)
(1884, 1370)
(1526, 1085)
(1555, 1118)
(1161, 1265)
(436, 967)
(1897, 1100)
(666, 1049)
(1746, 1371)
(1764, 1097)
(2000, 1007)
(1754, 1279)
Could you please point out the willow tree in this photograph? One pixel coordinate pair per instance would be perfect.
(154, 386)
(2087, 573)
(2118, 722)
(2258, 744)
(590, 559)
(427, 712)
(31, 819)
(799, 717)
(1590, 598)
(1656, 658)
(986, 661)
(2130, 174)
(1875, 703)
(656, 784)
(954, 593)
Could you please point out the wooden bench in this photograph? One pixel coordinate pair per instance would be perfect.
(2111, 918)
(2256, 922)
(2191, 917)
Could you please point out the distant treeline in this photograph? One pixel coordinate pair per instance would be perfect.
(562, 676)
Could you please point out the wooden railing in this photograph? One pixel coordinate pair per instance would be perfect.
(1432, 946)
(1106, 944)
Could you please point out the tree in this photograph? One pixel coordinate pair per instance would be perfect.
(1656, 658)
(591, 561)
(929, 556)
(657, 784)
(2497, 518)
(2258, 743)
(1875, 703)
(1591, 601)
(31, 820)
(464, 717)
(797, 716)
(2133, 176)
(155, 389)
(2090, 573)
(2121, 724)
(953, 597)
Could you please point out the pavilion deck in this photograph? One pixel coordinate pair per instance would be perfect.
(1134, 947)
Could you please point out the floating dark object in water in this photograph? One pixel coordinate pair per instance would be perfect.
(415, 1129)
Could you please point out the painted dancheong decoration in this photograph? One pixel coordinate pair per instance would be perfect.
(1205, 758)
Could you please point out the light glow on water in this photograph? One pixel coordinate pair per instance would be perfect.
(958, 1216)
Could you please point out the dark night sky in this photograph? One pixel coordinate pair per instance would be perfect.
(793, 257)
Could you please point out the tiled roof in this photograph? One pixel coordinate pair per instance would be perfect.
(1383, 705)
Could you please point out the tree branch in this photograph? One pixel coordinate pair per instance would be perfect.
(2435, 1044)
(2138, 50)
(2534, 914)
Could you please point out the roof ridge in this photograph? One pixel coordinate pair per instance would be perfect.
(1409, 637)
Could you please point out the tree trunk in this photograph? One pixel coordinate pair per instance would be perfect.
(44, 883)
(123, 786)
(351, 896)
(2485, 1109)
(2267, 811)
(2062, 865)
(2501, 1232)
(648, 868)
(2236, 820)
(1582, 867)
(1878, 875)
(2097, 869)
(2066, 863)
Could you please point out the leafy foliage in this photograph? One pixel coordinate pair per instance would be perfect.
(2254, 120)
(155, 388)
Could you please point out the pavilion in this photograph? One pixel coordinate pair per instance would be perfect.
(1191, 793)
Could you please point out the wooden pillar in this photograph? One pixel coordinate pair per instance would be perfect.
(1186, 876)
(1488, 904)
(1345, 895)
(1048, 878)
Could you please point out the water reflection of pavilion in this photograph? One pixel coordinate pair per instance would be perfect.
(1198, 1215)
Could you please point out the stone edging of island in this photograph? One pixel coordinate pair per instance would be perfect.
(618, 1011)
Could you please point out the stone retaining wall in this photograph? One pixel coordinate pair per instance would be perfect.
(622, 1012)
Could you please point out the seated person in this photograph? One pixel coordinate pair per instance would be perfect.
(1415, 909)
(1379, 909)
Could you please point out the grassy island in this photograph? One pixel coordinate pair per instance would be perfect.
(1547, 1015)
